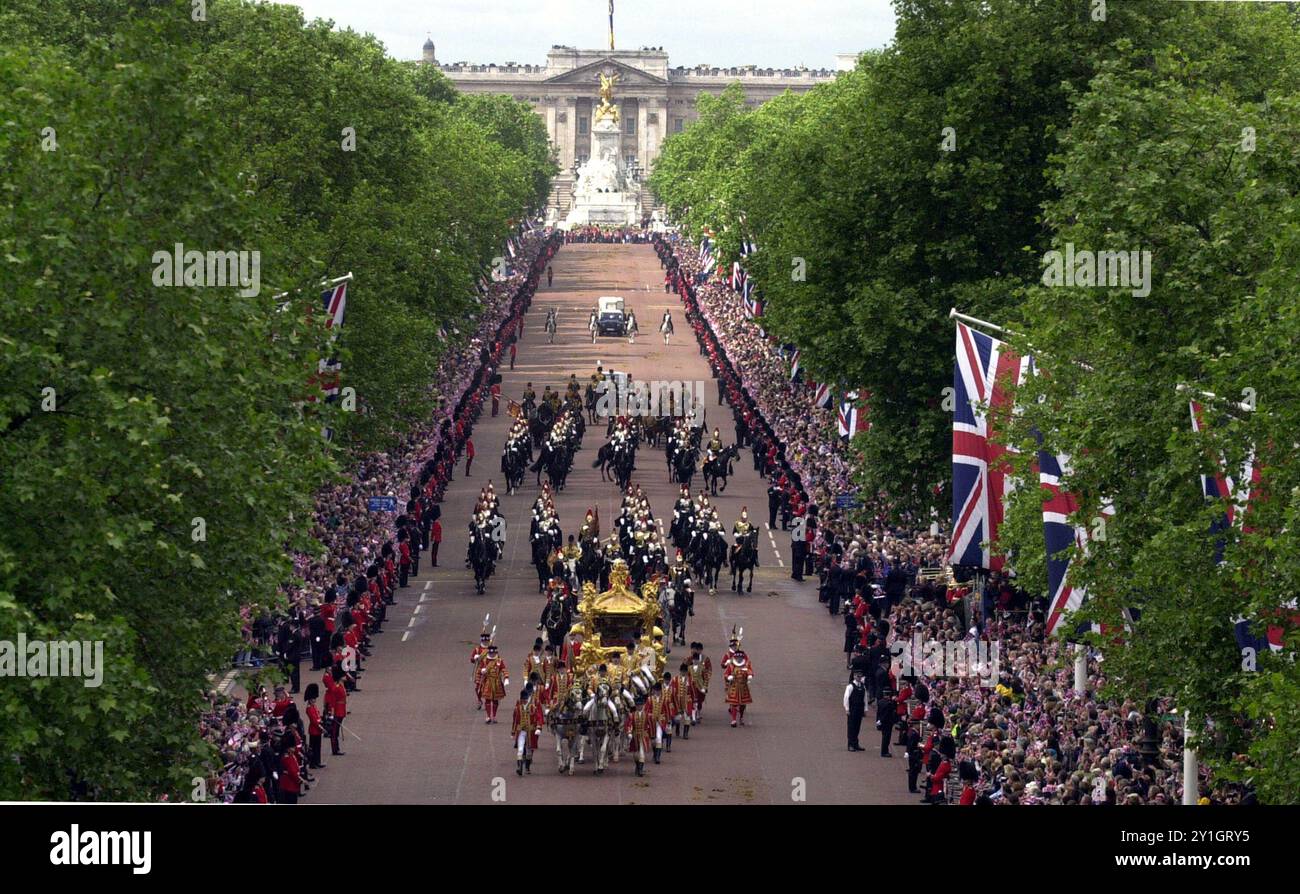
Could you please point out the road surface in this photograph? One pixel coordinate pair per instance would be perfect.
(413, 734)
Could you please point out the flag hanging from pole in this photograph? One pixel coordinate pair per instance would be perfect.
(984, 370)
(1059, 535)
(1238, 494)
(822, 395)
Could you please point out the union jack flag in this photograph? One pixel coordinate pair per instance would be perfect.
(794, 366)
(1059, 534)
(822, 395)
(849, 417)
(336, 302)
(984, 369)
(1238, 495)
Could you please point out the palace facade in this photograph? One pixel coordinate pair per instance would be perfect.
(654, 99)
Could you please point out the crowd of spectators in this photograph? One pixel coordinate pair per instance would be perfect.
(592, 233)
(1012, 729)
(268, 745)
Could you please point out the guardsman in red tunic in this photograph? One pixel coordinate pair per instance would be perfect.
(526, 725)
(661, 705)
(701, 671)
(637, 728)
(494, 677)
(557, 688)
(533, 664)
(681, 697)
(476, 657)
(738, 673)
(572, 648)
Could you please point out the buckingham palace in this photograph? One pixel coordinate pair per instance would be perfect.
(654, 99)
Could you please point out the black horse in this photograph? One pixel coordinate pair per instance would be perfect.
(744, 557)
(708, 555)
(514, 462)
(482, 557)
(719, 469)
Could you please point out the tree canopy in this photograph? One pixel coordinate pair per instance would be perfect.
(938, 174)
(157, 461)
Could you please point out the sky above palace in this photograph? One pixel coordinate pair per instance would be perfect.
(768, 33)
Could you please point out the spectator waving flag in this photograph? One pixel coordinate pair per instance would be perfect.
(984, 369)
(794, 366)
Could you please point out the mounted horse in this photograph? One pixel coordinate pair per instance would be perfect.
(708, 555)
(482, 557)
(719, 469)
(601, 716)
(566, 723)
(744, 557)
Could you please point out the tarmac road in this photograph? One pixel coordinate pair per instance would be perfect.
(413, 734)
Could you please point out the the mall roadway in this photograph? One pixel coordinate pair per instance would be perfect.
(413, 734)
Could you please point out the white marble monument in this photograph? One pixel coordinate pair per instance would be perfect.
(603, 194)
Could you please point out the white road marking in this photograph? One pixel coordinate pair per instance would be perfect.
(406, 635)
(428, 584)
(411, 623)
(417, 610)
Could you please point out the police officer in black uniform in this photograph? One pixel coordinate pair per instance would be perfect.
(855, 705)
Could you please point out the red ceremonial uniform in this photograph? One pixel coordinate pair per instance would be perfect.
(739, 673)
(493, 677)
(528, 718)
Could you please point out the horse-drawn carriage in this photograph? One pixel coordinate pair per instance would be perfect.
(593, 714)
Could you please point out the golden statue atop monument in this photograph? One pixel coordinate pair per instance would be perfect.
(607, 109)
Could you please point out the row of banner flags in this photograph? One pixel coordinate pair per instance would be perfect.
(851, 406)
(1238, 494)
(334, 301)
(985, 372)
